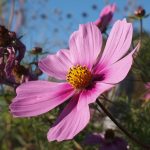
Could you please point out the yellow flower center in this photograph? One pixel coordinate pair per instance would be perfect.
(79, 77)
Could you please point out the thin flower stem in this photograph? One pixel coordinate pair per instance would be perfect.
(38, 145)
(104, 98)
(141, 29)
(145, 147)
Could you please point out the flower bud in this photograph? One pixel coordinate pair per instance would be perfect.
(140, 12)
(36, 50)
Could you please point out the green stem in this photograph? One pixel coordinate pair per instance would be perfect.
(145, 147)
(38, 145)
(141, 29)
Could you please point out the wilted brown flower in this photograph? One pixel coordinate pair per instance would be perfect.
(12, 51)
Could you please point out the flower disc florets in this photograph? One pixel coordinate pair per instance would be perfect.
(79, 77)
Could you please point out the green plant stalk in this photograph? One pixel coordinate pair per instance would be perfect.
(141, 29)
(143, 146)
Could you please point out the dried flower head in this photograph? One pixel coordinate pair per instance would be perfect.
(11, 53)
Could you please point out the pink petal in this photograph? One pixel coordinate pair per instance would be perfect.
(85, 45)
(90, 95)
(108, 9)
(38, 97)
(147, 85)
(56, 65)
(119, 70)
(118, 42)
(105, 17)
(70, 122)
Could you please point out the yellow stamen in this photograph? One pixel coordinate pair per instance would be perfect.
(79, 77)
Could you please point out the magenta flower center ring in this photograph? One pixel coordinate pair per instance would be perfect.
(79, 77)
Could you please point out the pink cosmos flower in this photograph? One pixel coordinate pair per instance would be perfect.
(84, 75)
(105, 17)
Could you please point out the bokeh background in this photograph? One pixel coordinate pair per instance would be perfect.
(49, 23)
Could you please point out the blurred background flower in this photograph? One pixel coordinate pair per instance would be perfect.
(106, 141)
(105, 17)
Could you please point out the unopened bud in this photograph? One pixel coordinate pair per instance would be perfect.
(36, 50)
(140, 12)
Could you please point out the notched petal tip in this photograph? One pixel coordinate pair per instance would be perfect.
(118, 42)
(114, 7)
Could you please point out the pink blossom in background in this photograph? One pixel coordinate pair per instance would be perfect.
(105, 17)
(107, 141)
(84, 75)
